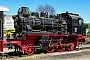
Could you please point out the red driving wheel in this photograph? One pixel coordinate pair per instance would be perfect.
(60, 49)
(50, 49)
(29, 49)
(70, 48)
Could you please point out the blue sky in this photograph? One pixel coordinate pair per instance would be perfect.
(81, 7)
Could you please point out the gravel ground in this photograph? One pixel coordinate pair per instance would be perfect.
(83, 54)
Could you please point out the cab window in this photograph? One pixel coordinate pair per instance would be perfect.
(75, 21)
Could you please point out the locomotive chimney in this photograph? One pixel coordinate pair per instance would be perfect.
(24, 11)
(67, 12)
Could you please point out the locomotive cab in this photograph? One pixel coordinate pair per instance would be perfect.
(77, 25)
(2, 9)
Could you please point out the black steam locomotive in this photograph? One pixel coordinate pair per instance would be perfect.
(42, 32)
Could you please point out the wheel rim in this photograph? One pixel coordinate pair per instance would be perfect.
(29, 49)
(70, 48)
(60, 49)
(50, 49)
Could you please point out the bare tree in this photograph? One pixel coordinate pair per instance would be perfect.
(40, 8)
(46, 8)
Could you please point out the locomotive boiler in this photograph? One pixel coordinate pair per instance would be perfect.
(64, 23)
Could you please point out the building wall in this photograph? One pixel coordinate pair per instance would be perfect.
(8, 22)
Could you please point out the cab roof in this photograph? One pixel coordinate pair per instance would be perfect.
(3, 8)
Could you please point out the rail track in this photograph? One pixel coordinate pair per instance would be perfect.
(7, 54)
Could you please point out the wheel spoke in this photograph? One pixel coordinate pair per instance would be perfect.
(70, 48)
(50, 49)
(29, 49)
(60, 49)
